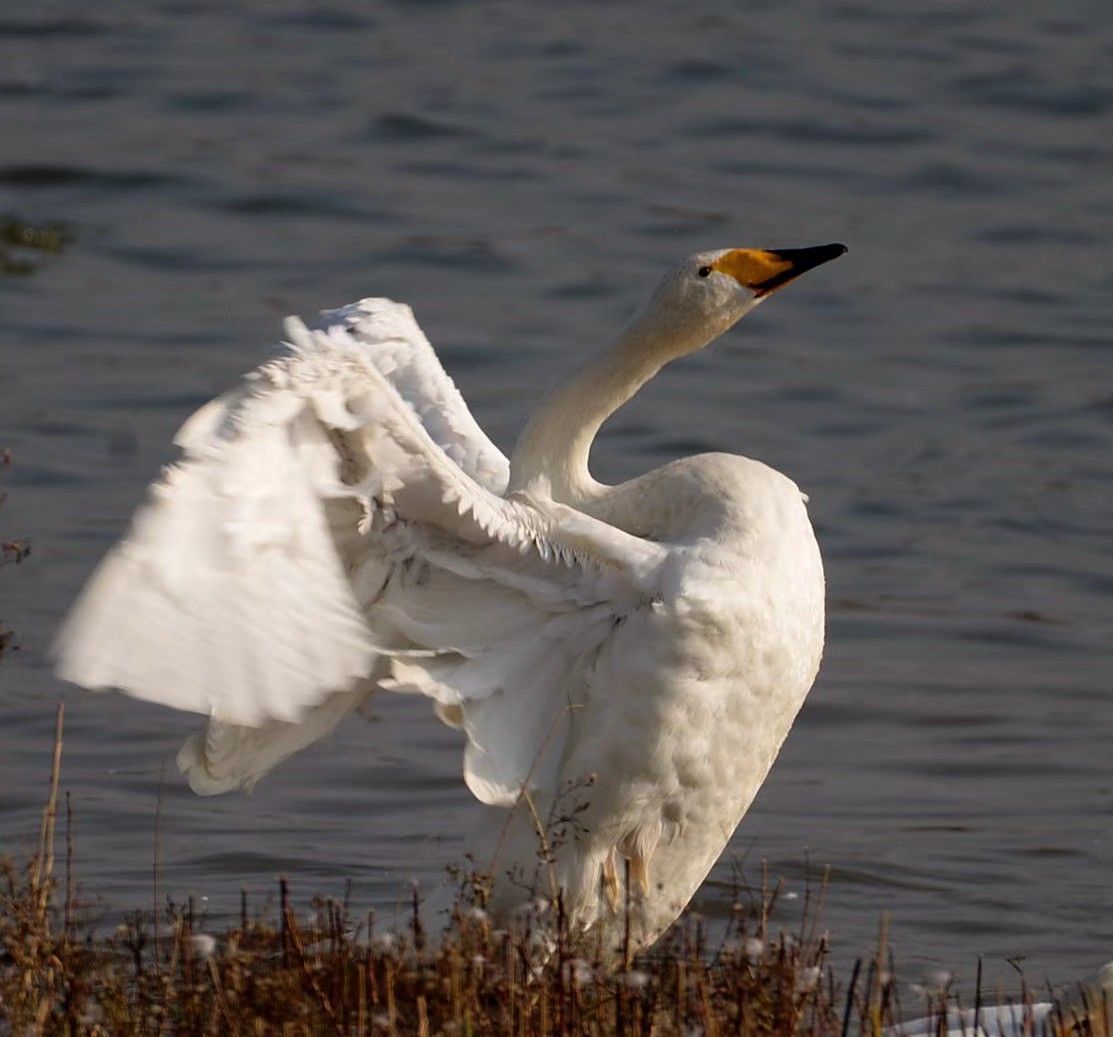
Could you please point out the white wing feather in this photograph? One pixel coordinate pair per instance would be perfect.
(402, 354)
(339, 521)
(227, 597)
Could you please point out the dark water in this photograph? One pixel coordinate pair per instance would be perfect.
(521, 174)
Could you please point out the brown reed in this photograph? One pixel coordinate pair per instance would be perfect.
(336, 975)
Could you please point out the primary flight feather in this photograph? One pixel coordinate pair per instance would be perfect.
(624, 661)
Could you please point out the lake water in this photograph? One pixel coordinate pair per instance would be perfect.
(521, 174)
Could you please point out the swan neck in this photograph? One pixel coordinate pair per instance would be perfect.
(556, 444)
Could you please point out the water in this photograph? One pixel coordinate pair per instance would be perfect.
(521, 175)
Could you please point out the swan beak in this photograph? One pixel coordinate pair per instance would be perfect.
(765, 270)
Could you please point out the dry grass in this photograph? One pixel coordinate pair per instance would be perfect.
(337, 975)
(329, 977)
(12, 551)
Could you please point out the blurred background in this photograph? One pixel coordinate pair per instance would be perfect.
(176, 176)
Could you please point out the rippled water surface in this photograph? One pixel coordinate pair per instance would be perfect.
(522, 174)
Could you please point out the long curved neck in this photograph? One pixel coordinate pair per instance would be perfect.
(555, 445)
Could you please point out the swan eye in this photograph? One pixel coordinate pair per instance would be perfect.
(704, 271)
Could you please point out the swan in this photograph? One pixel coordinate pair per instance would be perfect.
(624, 661)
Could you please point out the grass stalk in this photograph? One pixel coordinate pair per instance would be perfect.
(324, 975)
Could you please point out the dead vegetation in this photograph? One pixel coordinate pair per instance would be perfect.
(12, 551)
(331, 973)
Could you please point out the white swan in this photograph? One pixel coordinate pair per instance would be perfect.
(625, 661)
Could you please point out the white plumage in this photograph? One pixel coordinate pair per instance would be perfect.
(624, 661)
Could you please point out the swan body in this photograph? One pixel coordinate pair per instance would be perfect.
(624, 662)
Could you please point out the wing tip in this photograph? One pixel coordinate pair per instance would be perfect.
(193, 763)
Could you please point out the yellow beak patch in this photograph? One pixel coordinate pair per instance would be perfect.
(764, 270)
(751, 267)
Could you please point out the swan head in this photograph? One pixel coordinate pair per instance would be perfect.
(709, 292)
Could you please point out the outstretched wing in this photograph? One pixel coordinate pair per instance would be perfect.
(324, 529)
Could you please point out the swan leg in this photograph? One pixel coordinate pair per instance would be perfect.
(639, 875)
(638, 848)
(610, 880)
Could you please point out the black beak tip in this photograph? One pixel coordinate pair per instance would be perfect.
(824, 253)
(807, 258)
(800, 261)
